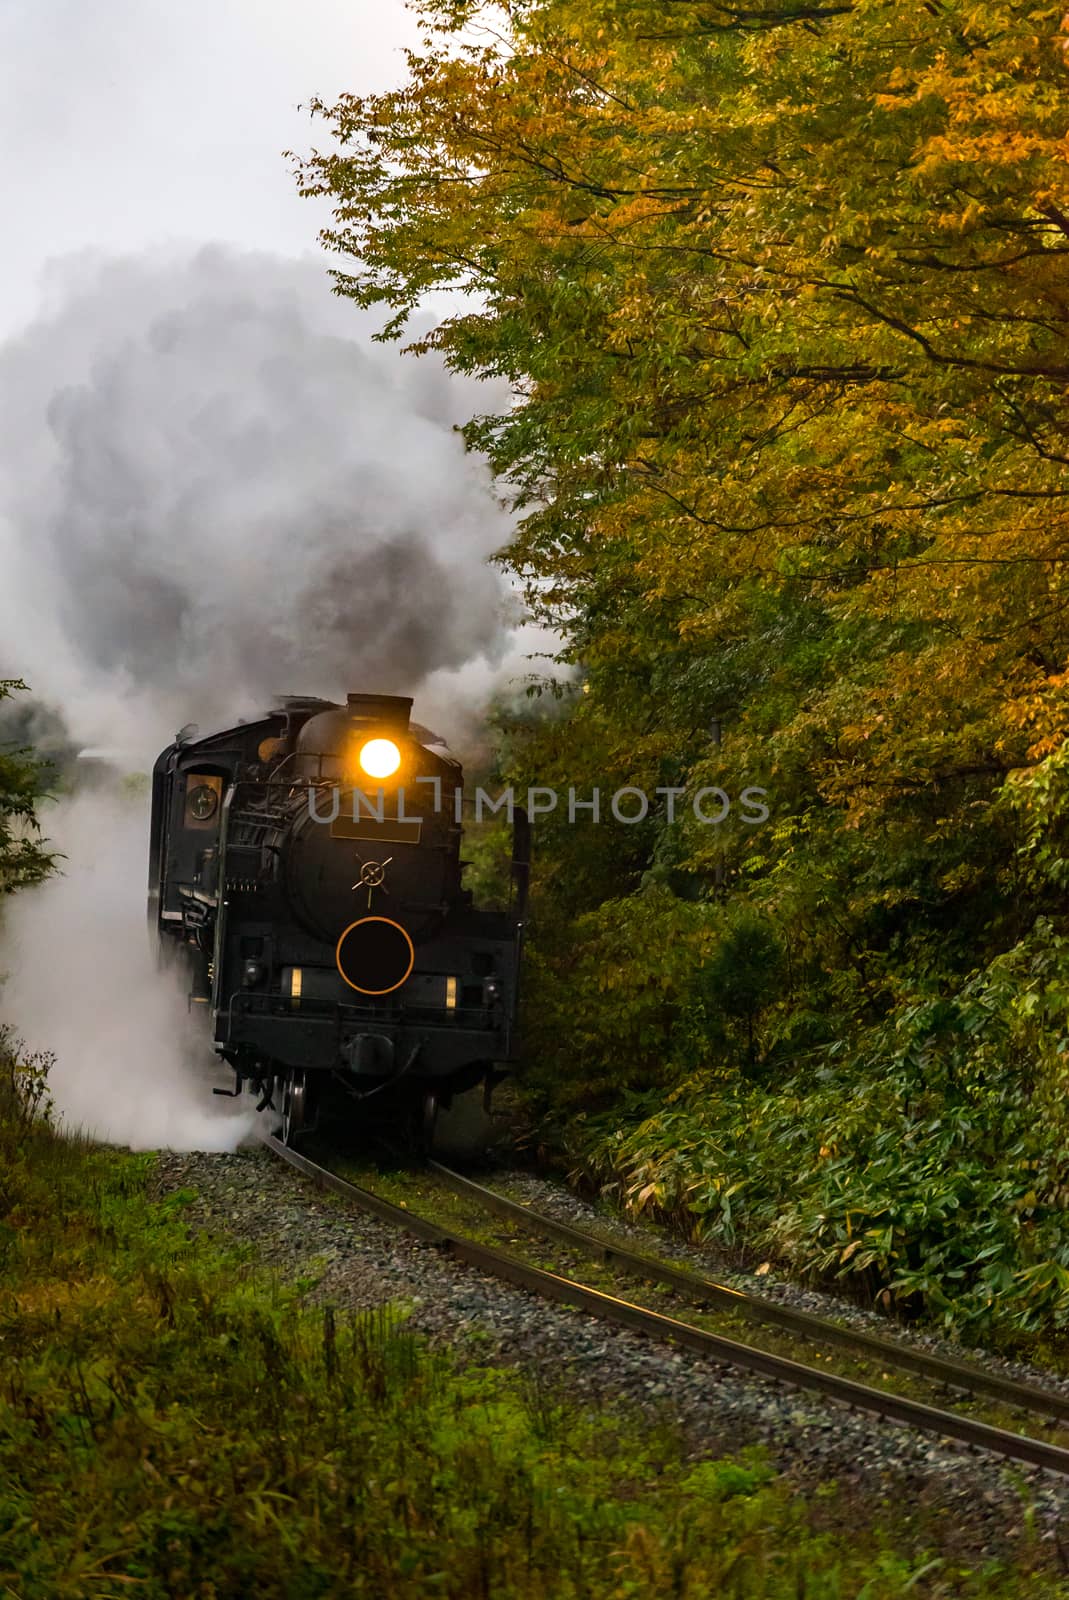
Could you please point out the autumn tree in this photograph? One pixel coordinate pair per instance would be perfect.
(782, 295)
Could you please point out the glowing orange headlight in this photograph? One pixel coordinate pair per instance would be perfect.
(380, 758)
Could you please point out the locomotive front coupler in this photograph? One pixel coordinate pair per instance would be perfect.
(370, 1054)
(398, 1072)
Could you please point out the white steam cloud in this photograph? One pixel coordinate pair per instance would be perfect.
(210, 493)
(131, 1066)
(213, 488)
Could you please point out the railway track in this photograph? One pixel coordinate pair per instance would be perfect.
(964, 1376)
(879, 1403)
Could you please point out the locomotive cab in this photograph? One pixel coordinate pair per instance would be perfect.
(305, 873)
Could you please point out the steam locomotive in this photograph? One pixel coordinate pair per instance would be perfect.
(305, 873)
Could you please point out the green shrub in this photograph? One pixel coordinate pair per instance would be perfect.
(25, 1098)
(930, 1165)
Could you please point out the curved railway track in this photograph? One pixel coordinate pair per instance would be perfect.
(959, 1375)
(879, 1403)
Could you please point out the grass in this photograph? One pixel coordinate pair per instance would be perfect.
(173, 1422)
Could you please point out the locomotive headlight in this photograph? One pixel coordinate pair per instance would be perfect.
(380, 758)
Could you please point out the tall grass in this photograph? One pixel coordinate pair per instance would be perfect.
(174, 1423)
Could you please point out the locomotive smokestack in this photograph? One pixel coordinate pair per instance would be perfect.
(388, 710)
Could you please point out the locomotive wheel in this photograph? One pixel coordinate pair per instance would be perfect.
(292, 1097)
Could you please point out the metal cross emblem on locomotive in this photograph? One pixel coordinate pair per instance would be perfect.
(310, 883)
(372, 876)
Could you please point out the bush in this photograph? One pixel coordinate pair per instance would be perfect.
(23, 780)
(25, 1098)
(929, 1166)
(611, 1003)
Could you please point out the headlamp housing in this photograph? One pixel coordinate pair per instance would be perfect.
(379, 758)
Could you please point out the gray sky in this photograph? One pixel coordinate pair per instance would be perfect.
(125, 123)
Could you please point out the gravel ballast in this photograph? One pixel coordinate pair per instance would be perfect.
(557, 1201)
(343, 1257)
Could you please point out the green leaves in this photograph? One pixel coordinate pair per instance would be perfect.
(23, 858)
(926, 1164)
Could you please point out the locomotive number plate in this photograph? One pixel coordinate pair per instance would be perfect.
(391, 830)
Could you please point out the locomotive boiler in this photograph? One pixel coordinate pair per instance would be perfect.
(306, 877)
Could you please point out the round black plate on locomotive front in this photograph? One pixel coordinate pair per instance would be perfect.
(375, 955)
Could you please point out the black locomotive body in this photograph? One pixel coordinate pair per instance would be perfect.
(305, 869)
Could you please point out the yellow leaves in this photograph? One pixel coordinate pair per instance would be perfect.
(762, 308)
(1042, 748)
(62, 1296)
(960, 877)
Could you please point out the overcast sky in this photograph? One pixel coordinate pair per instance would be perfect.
(125, 123)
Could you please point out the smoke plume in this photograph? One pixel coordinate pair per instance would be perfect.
(211, 492)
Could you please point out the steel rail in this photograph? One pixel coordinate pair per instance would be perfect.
(947, 1425)
(961, 1375)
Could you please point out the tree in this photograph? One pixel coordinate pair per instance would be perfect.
(783, 295)
(24, 860)
(745, 974)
